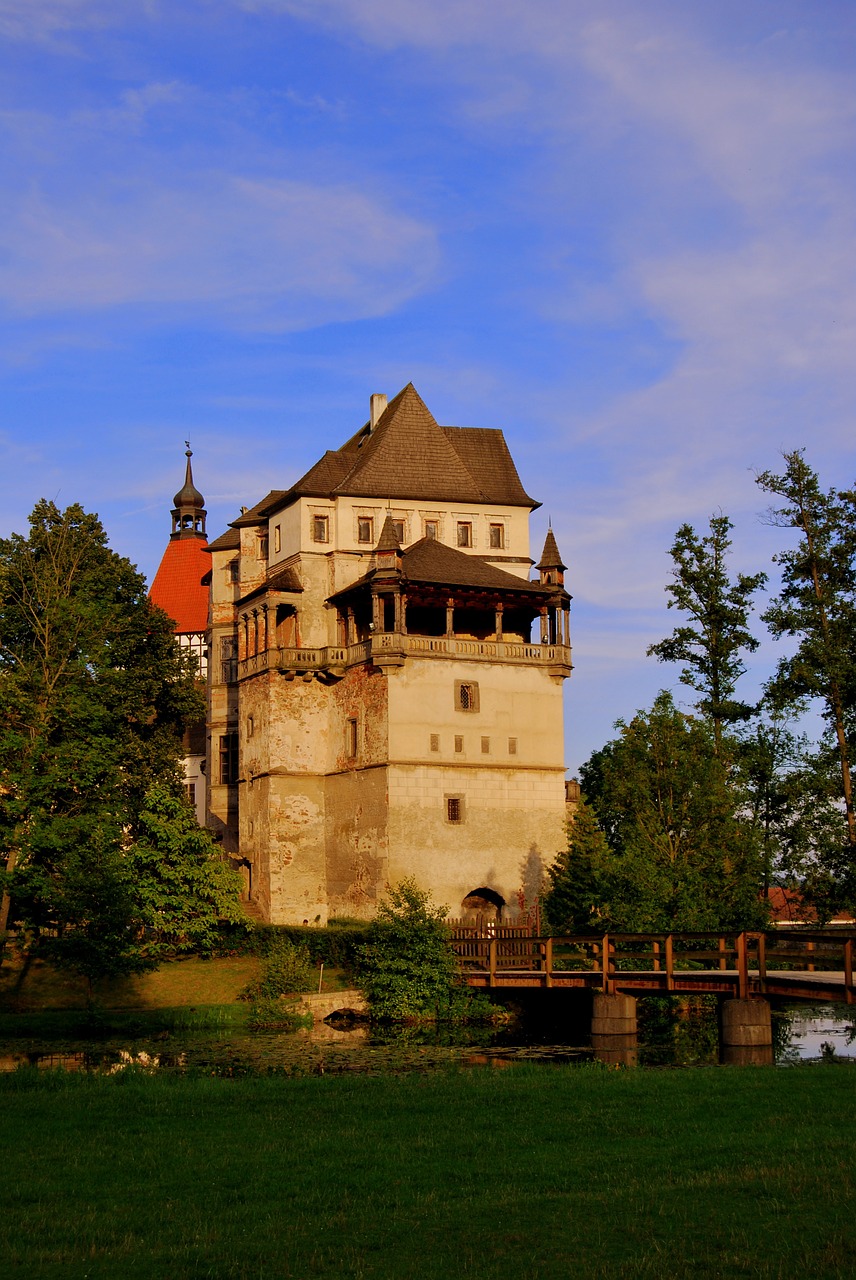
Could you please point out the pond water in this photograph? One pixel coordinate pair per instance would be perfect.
(671, 1033)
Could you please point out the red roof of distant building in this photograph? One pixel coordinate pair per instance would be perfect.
(178, 588)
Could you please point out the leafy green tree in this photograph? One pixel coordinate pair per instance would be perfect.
(408, 969)
(711, 644)
(816, 606)
(574, 897)
(788, 795)
(94, 692)
(182, 887)
(680, 855)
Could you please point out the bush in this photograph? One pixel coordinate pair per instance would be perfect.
(408, 969)
(335, 947)
(286, 970)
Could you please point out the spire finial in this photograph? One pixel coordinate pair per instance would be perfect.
(188, 517)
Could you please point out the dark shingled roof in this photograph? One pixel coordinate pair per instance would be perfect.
(550, 558)
(285, 579)
(409, 455)
(228, 541)
(388, 541)
(432, 563)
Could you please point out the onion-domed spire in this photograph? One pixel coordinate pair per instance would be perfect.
(188, 516)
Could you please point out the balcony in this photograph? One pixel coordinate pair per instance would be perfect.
(390, 649)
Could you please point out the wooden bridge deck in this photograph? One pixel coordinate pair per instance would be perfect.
(816, 965)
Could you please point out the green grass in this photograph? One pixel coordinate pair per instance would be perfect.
(528, 1172)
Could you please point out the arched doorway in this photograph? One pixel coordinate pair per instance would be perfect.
(482, 906)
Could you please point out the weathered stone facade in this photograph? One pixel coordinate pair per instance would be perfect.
(377, 706)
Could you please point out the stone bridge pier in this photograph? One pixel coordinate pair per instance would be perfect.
(745, 1031)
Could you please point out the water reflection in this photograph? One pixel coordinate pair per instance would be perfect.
(675, 1032)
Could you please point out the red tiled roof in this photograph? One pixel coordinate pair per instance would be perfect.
(178, 586)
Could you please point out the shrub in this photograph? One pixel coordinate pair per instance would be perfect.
(286, 969)
(408, 969)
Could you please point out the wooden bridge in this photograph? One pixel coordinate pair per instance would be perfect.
(794, 962)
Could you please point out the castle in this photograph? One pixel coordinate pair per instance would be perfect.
(377, 706)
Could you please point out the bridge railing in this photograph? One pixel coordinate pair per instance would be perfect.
(505, 950)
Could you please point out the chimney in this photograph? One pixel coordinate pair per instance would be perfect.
(377, 404)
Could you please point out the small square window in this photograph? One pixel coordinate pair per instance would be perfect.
(512, 746)
(365, 529)
(459, 743)
(277, 537)
(435, 742)
(454, 808)
(432, 529)
(497, 536)
(485, 745)
(466, 695)
(465, 534)
(320, 529)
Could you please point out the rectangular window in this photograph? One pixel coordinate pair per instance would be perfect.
(512, 746)
(454, 809)
(251, 726)
(466, 695)
(459, 743)
(228, 758)
(365, 529)
(229, 659)
(398, 527)
(432, 529)
(320, 528)
(277, 537)
(233, 571)
(352, 738)
(190, 792)
(263, 546)
(435, 742)
(465, 533)
(497, 536)
(485, 744)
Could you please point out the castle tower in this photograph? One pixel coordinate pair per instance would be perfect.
(378, 706)
(181, 588)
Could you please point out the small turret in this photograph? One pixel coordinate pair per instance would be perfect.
(188, 515)
(388, 550)
(550, 566)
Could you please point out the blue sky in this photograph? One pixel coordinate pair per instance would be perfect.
(622, 232)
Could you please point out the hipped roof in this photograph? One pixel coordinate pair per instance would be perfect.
(431, 563)
(409, 455)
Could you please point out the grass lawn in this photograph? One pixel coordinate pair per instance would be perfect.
(528, 1172)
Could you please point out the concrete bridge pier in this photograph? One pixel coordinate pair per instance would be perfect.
(613, 1030)
(745, 1032)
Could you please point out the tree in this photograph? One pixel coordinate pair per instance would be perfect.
(712, 643)
(574, 897)
(817, 606)
(680, 855)
(788, 795)
(182, 887)
(94, 692)
(408, 969)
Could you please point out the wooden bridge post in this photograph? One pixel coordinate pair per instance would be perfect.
(604, 963)
(670, 963)
(613, 1029)
(848, 970)
(742, 967)
(492, 962)
(548, 962)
